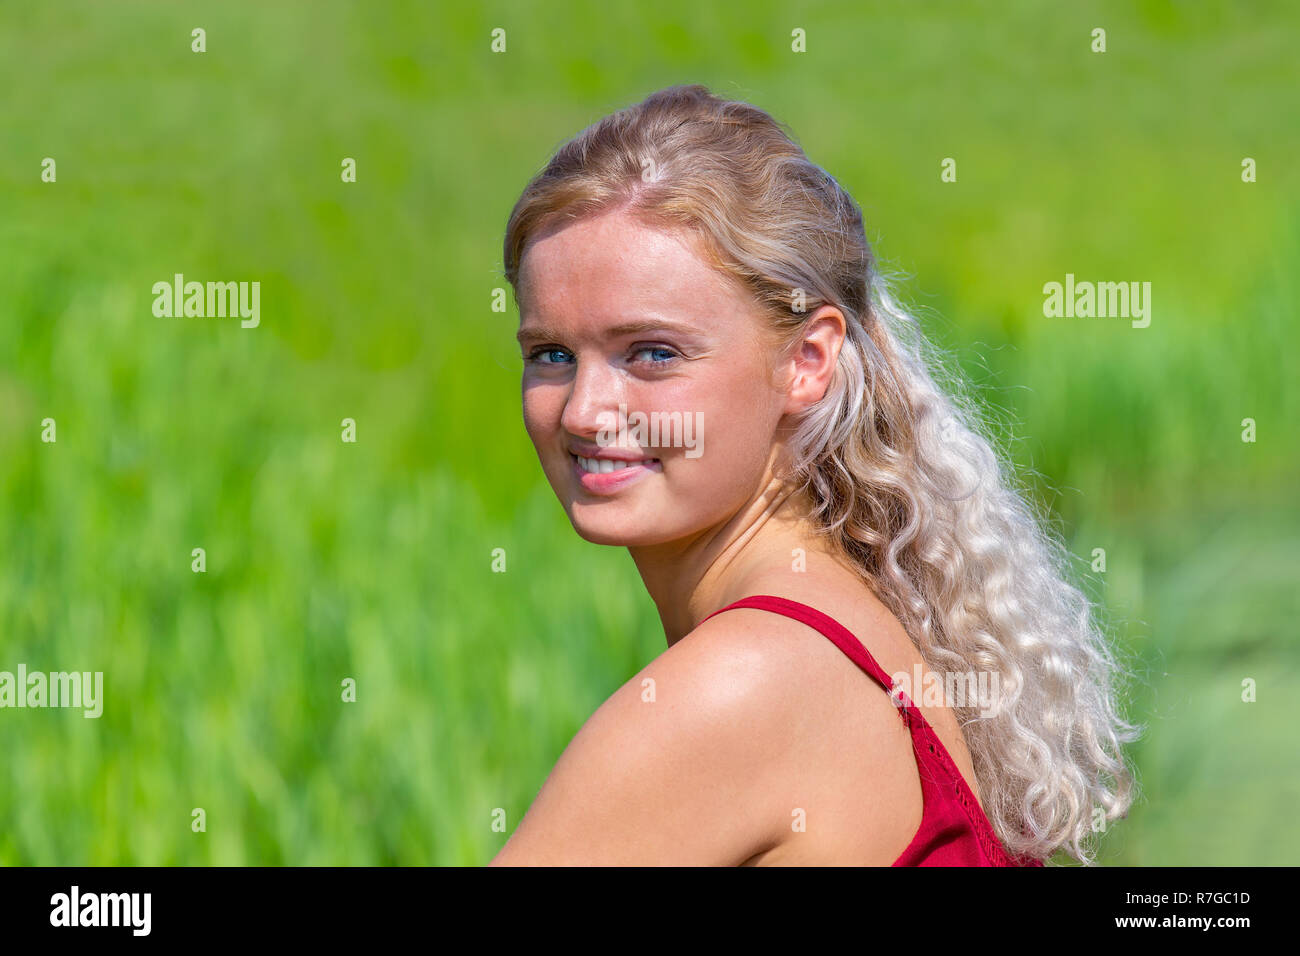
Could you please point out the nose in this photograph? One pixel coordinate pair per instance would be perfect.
(593, 400)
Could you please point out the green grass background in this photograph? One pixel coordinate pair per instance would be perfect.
(372, 560)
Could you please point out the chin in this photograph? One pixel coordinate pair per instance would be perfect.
(622, 533)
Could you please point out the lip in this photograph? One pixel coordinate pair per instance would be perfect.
(614, 481)
(608, 452)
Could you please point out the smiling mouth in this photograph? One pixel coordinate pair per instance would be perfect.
(605, 466)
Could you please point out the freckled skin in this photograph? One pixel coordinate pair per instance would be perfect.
(594, 274)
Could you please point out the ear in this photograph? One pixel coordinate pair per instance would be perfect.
(814, 358)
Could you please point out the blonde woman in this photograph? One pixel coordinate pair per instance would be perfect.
(717, 378)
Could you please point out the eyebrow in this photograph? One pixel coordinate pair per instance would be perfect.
(541, 332)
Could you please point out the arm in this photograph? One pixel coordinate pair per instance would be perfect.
(680, 780)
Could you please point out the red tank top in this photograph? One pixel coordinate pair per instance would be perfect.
(954, 830)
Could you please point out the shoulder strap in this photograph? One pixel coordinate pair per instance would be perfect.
(838, 634)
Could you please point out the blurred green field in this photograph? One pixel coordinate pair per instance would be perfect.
(372, 560)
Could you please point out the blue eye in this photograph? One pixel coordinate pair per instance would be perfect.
(546, 356)
(661, 354)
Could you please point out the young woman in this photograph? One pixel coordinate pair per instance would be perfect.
(717, 378)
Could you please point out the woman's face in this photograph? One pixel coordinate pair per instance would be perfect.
(647, 384)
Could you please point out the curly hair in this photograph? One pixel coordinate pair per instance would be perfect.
(902, 472)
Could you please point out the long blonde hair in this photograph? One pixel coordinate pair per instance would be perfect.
(902, 472)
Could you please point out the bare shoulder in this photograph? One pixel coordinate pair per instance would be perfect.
(703, 757)
(677, 766)
(846, 791)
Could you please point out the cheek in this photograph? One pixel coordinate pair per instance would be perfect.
(737, 417)
(542, 408)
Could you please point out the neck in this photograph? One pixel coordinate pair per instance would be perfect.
(693, 577)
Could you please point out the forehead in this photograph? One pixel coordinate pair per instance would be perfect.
(615, 261)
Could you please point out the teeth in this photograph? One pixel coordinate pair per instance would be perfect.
(601, 466)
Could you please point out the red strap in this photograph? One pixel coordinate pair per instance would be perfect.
(838, 634)
(933, 759)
